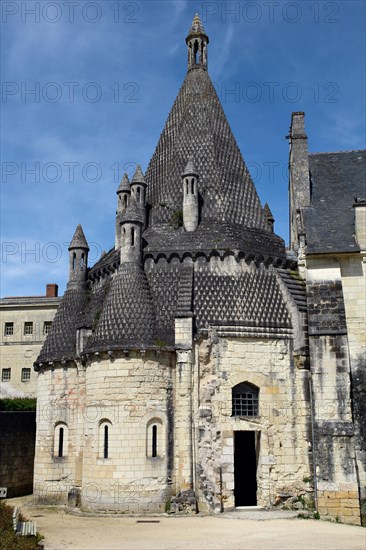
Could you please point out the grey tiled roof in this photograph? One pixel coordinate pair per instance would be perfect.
(196, 26)
(61, 341)
(79, 240)
(336, 179)
(213, 236)
(251, 298)
(125, 184)
(296, 287)
(133, 213)
(138, 176)
(197, 128)
(128, 317)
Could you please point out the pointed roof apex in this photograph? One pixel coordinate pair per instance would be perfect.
(133, 213)
(79, 240)
(138, 176)
(267, 212)
(125, 184)
(190, 167)
(196, 27)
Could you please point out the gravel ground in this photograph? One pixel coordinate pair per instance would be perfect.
(229, 531)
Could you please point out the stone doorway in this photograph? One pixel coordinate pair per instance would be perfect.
(246, 445)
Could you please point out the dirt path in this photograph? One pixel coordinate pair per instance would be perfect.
(67, 531)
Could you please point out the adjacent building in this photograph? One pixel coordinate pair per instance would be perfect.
(25, 322)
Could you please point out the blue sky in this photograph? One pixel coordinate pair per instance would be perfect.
(104, 76)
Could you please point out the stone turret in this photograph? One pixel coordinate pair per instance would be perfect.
(78, 255)
(190, 196)
(123, 199)
(197, 41)
(131, 230)
(138, 191)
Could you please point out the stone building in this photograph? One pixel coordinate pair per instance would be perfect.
(25, 323)
(180, 371)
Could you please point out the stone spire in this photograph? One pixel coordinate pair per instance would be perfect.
(197, 41)
(78, 256)
(269, 216)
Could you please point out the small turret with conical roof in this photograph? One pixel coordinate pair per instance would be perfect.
(78, 255)
(269, 217)
(190, 196)
(138, 191)
(197, 41)
(123, 199)
(131, 230)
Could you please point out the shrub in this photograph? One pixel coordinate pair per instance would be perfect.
(18, 404)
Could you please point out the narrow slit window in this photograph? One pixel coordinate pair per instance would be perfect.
(105, 442)
(60, 442)
(192, 186)
(133, 236)
(154, 442)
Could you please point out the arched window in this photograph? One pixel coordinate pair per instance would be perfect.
(245, 400)
(60, 440)
(138, 194)
(73, 261)
(104, 438)
(187, 188)
(155, 438)
(125, 200)
(82, 260)
(192, 186)
(195, 50)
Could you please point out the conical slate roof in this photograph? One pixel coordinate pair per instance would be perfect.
(125, 184)
(79, 240)
(197, 126)
(196, 27)
(190, 167)
(133, 213)
(128, 316)
(138, 176)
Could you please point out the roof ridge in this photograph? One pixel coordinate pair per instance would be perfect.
(338, 152)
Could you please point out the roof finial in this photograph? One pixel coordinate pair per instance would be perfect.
(197, 41)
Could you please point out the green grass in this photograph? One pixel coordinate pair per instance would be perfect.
(8, 539)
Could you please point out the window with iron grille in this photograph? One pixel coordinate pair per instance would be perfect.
(9, 329)
(26, 374)
(47, 327)
(28, 329)
(245, 400)
(5, 374)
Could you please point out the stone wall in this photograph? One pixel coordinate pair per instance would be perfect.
(129, 394)
(282, 426)
(334, 321)
(17, 445)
